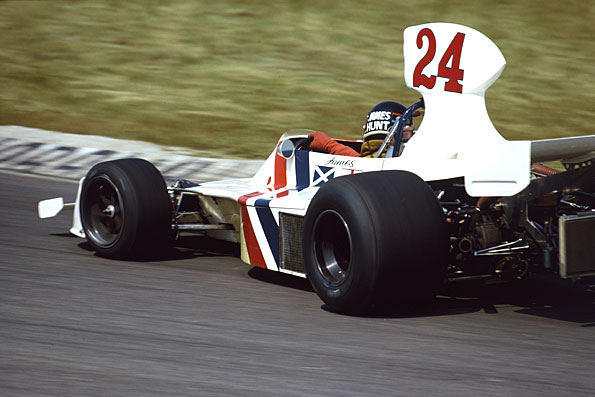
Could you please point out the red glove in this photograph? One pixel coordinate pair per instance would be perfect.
(320, 141)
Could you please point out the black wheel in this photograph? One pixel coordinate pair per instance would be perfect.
(375, 239)
(125, 209)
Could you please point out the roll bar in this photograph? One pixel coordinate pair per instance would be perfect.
(396, 131)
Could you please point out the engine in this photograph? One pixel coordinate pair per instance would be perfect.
(546, 228)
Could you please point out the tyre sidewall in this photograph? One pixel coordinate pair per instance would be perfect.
(145, 204)
(400, 240)
(356, 292)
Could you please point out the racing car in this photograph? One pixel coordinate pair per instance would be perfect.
(456, 202)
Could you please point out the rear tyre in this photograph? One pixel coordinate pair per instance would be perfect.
(125, 209)
(375, 240)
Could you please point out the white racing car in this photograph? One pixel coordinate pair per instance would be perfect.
(457, 202)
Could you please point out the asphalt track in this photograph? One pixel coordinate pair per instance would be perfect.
(200, 322)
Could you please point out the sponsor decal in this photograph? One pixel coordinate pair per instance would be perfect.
(322, 174)
(380, 120)
(379, 115)
(340, 163)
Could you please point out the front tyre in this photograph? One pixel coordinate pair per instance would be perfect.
(125, 209)
(373, 240)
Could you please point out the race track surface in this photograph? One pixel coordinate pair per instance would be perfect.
(200, 322)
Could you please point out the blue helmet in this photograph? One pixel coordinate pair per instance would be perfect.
(381, 118)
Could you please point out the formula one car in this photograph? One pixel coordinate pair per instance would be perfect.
(457, 202)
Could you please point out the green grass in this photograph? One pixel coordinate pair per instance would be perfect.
(229, 77)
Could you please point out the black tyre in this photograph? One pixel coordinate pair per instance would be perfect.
(375, 239)
(125, 209)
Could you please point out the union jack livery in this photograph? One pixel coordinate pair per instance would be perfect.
(456, 202)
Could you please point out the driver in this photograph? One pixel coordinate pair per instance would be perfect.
(378, 122)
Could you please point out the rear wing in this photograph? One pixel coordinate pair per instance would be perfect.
(569, 150)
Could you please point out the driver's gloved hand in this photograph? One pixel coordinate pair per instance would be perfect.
(321, 142)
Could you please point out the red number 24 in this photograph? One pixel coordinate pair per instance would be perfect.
(452, 73)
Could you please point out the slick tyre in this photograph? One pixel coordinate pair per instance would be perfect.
(375, 240)
(125, 209)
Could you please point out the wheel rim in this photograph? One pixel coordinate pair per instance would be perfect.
(332, 247)
(103, 212)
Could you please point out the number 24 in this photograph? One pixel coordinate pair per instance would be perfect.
(452, 73)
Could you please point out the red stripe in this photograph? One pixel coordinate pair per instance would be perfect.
(243, 199)
(254, 253)
(280, 172)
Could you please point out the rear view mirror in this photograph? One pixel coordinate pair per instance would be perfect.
(286, 149)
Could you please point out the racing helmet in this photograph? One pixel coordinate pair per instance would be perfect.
(380, 119)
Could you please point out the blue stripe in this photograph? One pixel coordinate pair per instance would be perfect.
(269, 225)
(262, 202)
(302, 169)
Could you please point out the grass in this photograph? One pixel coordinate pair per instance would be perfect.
(229, 77)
